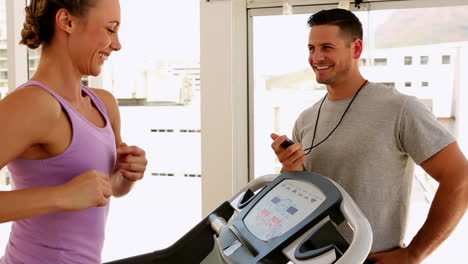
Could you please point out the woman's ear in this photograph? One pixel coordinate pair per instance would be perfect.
(64, 20)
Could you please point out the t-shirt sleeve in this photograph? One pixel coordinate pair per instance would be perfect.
(421, 135)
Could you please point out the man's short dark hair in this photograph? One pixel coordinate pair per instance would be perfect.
(349, 24)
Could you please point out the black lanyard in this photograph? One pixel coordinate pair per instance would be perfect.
(312, 146)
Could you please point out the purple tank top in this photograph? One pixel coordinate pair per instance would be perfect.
(64, 237)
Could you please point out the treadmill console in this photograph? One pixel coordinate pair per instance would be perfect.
(282, 208)
(277, 215)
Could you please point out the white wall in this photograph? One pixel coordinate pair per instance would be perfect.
(223, 71)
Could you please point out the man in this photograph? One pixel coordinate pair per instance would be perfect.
(365, 137)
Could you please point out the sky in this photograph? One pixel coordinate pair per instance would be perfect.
(149, 30)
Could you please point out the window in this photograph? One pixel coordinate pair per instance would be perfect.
(408, 60)
(295, 80)
(424, 60)
(156, 80)
(85, 81)
(446, 59)
(3, 54)
(380, 62)
(445, 37)
(363, 62)
(5, 181)
(32, 63)
(282, 91)
(33, 60)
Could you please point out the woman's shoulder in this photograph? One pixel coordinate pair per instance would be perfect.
(103, 94)
(33, 100)
(109, 102)
(106, 97)
(31, 112)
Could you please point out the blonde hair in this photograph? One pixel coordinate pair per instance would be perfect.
(39, 25)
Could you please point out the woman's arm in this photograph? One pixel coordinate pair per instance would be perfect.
(87, 190)
(131, 160)
(29, 116)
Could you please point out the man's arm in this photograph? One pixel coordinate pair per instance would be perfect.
(450, 168)
(292, 158)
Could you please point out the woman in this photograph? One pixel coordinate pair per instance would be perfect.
(62, 143)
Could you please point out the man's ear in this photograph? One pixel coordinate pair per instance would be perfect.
(65, 21)
(357, 49)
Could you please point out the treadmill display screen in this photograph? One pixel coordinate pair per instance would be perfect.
(286, 205)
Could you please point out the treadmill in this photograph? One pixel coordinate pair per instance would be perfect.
(292, 217)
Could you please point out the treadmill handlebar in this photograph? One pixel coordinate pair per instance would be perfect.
(362, 232)
(217, 223)
(255, 185)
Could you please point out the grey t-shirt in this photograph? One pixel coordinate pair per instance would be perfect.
(371, 153)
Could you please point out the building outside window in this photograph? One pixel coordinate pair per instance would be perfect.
(3, 51)
(380, 62)
(3, 68)
(446, 59)
(363, 62)
(408, 60)
(424, 60)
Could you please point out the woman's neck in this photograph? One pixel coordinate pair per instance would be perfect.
(59, 74)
